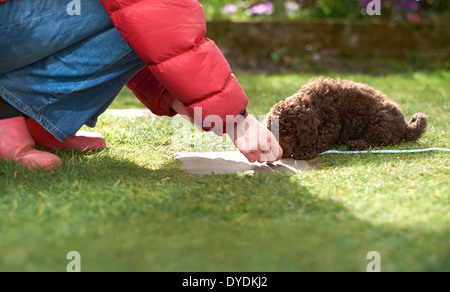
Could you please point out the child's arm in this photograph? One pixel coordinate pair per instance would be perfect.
(170, 37)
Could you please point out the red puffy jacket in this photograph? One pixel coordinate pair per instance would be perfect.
(169, 35)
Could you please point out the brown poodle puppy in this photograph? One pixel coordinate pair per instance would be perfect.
(327, 111)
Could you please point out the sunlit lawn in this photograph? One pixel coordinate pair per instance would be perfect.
(129, 207)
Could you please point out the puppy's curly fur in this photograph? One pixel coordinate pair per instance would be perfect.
(328, 111)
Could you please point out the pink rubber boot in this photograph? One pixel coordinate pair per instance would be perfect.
(17, 145)
(83, 141)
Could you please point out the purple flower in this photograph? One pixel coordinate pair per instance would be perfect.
(407, 6)
(365, 3)
(228, 9)
(262, 8)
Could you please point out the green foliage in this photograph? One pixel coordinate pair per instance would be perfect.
(337, 9)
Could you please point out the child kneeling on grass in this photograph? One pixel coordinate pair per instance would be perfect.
(60, 71)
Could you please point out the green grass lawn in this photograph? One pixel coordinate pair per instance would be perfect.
(129, 208)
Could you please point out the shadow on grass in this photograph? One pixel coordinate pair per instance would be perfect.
(121, 216)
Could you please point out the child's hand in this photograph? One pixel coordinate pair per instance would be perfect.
(255, 141)
(178, 106)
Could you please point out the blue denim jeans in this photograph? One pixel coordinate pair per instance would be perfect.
(62, 70)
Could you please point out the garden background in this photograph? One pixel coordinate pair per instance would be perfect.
(323, 35)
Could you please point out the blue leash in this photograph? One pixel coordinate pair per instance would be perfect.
(384, 151)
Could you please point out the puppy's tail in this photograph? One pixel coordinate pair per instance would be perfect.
(416, 127)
